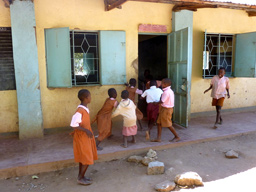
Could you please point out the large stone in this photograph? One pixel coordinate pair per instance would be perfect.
(135, 159)
(151, 154)
(146, 160)
(232, 154)
(155, 168)
(188, 179)
(165, 186)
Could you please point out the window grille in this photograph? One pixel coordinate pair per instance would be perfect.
(7, 75)
(218, 51)
(84, 58)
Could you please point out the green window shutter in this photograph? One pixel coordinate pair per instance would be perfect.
(58, 58)
(112, 57)
(245, 56)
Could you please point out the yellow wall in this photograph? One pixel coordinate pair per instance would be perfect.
(59, 104)
(8, 106)
(219, 21)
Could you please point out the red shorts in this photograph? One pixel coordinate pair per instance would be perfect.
(152, 111)
(218, 102)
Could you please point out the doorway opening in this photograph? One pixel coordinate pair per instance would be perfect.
(152, 58)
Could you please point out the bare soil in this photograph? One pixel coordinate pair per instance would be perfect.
(207, 159)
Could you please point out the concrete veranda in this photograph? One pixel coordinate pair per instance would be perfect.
(54, 151)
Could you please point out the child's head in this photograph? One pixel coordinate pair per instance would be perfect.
(132, 82)
(125, 94)
(84, 96)
(112, 93)
(222, 72)
(148, 78)
(153, 83)
(166, 82)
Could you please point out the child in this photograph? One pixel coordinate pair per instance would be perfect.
(220, 88)
(166, 109)
(132, 92)
(85, 151)
(103, 117)
(153, 95)
(127, 108)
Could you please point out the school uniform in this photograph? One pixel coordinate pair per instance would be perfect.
(103, 118)
(85, 150)
(127, 108)
(132, 93)
(166, 108)
(219, 90)
(152, 95)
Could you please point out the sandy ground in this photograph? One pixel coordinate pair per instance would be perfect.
(207, 159)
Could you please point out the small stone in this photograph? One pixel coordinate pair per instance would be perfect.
(146, 160)
(35, 177)
(231, 154)
(169, 171)
(151, 153)
(155, 168)
(188, 179)
(165, 186)
(135, 159)
(17, 178)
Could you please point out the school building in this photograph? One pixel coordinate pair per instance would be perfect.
(49, 50)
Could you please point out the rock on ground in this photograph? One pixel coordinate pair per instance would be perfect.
(151, 153)
(155, 168)
(231, 154)
(146, 160)
(165, 186)
(188, 179)
(135, 159)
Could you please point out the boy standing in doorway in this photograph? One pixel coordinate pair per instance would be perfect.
(220, 88)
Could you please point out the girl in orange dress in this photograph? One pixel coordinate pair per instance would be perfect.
(103, 117)
(84, 145)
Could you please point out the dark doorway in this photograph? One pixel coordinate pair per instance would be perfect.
(152, 57)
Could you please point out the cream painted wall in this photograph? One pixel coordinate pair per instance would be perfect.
(219, 21)
(8, 104)
(59, 104)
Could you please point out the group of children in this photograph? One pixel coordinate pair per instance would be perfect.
(159, 109)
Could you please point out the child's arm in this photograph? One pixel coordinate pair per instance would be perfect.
(208, 89)
(227, 88)
(76, 119)
(139, 92)
(228, 93)
(94, 119)
(116, 112)
(143, 96)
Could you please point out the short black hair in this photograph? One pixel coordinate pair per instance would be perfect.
(153, 83)
(132, 82)
(82, 94)
(222, 68)
(112, 92)
(167, 81)
(125, 94)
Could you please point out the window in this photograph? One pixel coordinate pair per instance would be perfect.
(7, 75)
(218, 52)
(78, 58)
(84, 58)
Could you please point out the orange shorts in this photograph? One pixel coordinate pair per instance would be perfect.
(218, 102)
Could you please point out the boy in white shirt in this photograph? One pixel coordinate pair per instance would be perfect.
(153, 95)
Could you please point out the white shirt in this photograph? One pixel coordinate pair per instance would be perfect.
(77, 117)
(153, 94)
(219, 86)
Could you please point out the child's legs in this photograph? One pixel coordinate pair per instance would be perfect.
(218, 115)
(133, 139)
(174, 132)
(159, 132)
(125, 141)
(82, 170)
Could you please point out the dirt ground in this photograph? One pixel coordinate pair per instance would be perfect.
(207, 159)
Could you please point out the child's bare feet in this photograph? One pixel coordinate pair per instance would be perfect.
(155, 140)
(99, 148)
(147, 136)
(176, 139)
(123, 145)
(84, 182)
(215, 126)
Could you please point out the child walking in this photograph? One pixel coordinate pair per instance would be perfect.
(131, 88)
(220, 88)
(166, 109)
(103, 117)
(152, 95)
(127, 108)
(85, 151)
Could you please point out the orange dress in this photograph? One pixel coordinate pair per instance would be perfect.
(132, 93)
(85, 150)
(104, 121)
